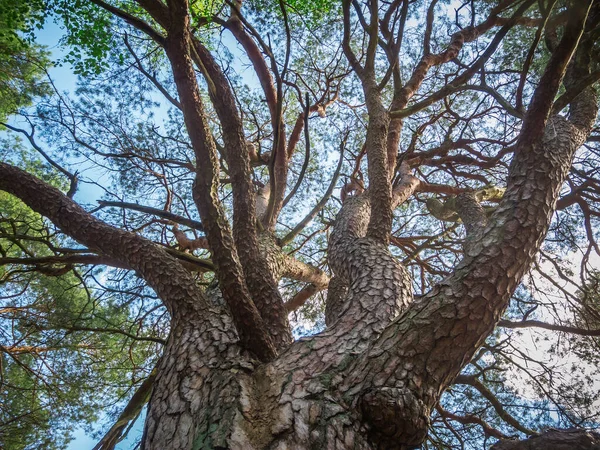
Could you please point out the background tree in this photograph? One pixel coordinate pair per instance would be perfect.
(22, 62)
(446, 183)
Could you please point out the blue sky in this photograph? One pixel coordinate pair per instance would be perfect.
(83, 441)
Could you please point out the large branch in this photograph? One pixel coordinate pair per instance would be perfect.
(67, 260)
(249, 323)
(278, 164)
(173, 284)
(371, 286)
(543, 98)
(298, 270)
(380, 186)
(259, 280)
(235, 24)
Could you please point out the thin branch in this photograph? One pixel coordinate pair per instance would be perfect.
(311, 215)
(502, 413)
(548, 326)
(306, 154)
(449, 90)
(472, 419)
(130, 413)
(71, 176)
(115, 331)
(151, 77)
(136, 22)
(156, 212)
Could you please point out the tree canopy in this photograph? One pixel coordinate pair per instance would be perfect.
(355, 224)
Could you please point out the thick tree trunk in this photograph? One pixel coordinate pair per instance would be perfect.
(197, 390)
(339, 389)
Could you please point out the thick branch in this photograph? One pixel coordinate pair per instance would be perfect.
(236, 26)
(248, 321)
(259, 280)
(301, 297)
(173, 284)
(543, 97)
(471, 212)
(301, 271)
(374, 286)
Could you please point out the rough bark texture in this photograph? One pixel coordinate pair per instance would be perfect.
(259, 279)
(191, 405)
(163, 273)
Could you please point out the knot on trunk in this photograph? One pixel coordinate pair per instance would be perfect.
(399, 419)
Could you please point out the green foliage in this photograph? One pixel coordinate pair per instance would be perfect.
(310, 7)
(123, 127)
(310, 11)
(89, 36)
(588, 316)
(20, 20)
(22, 62)
(205, 8)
